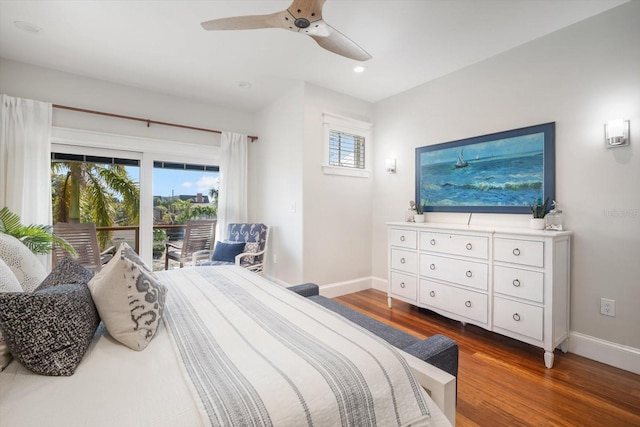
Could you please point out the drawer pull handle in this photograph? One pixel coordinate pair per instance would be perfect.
(432, 294)
(402, 285)
(402, 260)
(516, 251)
(469, 246)
(469, 273)
(402, 238)
(433, 242)
(432, 266)
(467, 304)
(516, 283)
(516, 317)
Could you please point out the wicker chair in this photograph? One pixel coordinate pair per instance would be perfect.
(198, 237)
(83, 238)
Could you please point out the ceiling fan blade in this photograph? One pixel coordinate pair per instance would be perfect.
(249, 22)
(334, 41)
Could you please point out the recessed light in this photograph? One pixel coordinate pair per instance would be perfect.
(244, 85)
(27, 26)
(359, 69)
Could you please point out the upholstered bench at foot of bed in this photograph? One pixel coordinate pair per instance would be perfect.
(437, 350)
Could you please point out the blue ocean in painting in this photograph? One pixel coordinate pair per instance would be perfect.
(496, 173)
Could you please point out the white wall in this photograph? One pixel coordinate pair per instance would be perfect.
(579, 77)
(275, 165)
(337, 209)
(43, 84)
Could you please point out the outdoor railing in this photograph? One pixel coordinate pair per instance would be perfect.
(131, 233)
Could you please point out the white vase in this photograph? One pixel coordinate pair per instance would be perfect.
(537, 223)
(418, 218)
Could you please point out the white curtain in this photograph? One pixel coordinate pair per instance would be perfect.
(232, 196)
(25, 158)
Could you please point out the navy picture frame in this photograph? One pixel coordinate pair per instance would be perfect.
(503, 172)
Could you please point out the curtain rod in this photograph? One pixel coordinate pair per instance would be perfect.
(147, 121)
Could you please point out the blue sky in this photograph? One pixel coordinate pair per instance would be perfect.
(167, 182)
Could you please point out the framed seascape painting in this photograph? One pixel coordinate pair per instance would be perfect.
(503, 172)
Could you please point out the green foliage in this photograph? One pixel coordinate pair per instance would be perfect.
(38, 238)
(539, 209)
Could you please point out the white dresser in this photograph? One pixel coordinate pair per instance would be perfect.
(513, 281)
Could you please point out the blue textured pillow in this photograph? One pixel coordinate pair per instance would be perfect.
(227, 251)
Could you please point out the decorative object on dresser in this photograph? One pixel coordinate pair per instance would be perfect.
(539, 211)
(511, 281)
(497, 173)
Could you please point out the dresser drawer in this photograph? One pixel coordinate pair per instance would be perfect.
(525, 252)
(404, 286)
(518, 317)
(455, 244)
(519, 283)
(469, 304)
(468, 273)
(403, 238)
(404, 260)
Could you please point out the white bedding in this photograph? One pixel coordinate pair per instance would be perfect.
(252, 355)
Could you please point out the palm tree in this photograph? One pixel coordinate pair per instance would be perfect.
(90, 192)
(214, 193)
(38, 238)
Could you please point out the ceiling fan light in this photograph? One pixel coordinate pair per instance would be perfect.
(359, 69)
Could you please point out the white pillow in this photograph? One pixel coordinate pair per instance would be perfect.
(129, 299)
(8, 283)
(22, 262)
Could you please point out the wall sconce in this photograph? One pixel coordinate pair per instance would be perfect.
(390, 165)
(616, 133)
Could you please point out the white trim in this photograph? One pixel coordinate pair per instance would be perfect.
(607, 352)
(343, 288)
(160, 148)
(147, 150)
(334, 122)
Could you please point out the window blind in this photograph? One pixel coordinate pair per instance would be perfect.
(346, 150)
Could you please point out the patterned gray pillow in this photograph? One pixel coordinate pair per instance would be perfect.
(130, 301)
(48, 331)
(8, 283)
(67, 272)
(251, 247)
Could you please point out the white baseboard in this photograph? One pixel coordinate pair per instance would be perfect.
(607, 352)
(343, 288)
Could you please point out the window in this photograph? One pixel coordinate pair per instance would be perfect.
(346, 150)
(347, 146)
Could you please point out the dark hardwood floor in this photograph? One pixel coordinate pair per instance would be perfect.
(503, 382)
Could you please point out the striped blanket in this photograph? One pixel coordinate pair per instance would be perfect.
(259, 355)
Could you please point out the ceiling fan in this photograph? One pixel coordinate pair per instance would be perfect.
(303, 16)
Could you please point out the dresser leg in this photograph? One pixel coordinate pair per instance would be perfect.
(548, 359)
(390, 302)
(564, 346)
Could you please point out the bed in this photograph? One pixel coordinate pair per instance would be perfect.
(235, 349)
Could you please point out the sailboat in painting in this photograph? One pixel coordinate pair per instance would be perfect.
(461, 163)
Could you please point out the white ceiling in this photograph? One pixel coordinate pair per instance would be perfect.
(160, 45)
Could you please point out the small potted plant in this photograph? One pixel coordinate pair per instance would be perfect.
(419, 216)
(538, 210)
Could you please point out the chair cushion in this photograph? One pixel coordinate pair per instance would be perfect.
(48, 331)
(227, 251)
(249, 232)
(22, 262)
(215, 263)
(129, 299)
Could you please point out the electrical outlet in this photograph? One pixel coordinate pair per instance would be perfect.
(608, 307)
